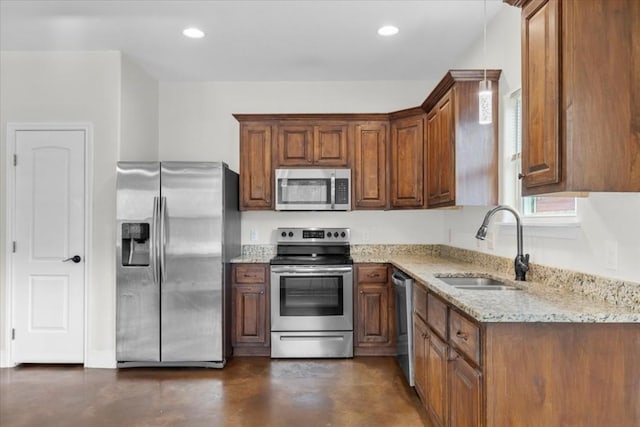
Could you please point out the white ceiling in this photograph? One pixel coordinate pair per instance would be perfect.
(257, 40)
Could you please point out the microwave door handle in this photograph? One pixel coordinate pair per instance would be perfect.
(333, 190)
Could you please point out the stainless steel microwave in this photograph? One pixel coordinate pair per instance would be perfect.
(313, 189)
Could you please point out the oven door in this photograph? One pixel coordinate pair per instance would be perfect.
(312, 298)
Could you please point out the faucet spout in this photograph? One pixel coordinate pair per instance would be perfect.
(521, 262)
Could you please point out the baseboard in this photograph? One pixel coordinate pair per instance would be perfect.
(100, 359)
(4, 360)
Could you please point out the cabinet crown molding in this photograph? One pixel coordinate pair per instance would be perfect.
(451, 78)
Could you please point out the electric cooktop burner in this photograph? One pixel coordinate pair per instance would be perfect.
(313, 246)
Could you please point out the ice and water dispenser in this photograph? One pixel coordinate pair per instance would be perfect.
(136, 244)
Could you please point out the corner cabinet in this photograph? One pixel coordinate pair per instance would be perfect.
(374, 311)
(461, 155)
(581, 96)
(250, 327)
(406, 163)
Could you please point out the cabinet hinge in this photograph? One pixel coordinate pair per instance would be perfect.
(13, 246)
(15, 160)
(13, 333)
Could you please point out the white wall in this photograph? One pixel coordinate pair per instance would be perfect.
(120, 102)
(196, 123)
(608, 222)
(139, 114)
(73, 87)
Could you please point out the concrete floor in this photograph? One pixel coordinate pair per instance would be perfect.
(365, 391)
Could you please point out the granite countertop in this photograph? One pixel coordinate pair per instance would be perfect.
(548, 295)
(536, 302)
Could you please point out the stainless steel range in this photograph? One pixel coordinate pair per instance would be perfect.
(312, 293)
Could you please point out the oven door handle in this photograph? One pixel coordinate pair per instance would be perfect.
(310, 270)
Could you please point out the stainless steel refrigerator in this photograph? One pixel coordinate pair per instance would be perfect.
(178, 226)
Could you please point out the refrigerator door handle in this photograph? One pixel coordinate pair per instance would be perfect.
(154, 241)
(163, 236)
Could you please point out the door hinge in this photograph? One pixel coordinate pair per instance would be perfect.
(14, 246)
(15, 160)
(13, 333)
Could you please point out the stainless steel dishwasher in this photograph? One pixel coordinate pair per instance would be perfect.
(403, 288)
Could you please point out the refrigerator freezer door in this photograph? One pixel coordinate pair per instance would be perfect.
(191, 298)
(137, 285)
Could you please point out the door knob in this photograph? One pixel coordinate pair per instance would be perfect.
(75, 258)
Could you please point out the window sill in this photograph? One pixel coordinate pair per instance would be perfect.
(567, 228)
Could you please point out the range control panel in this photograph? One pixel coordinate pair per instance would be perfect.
(313, 235)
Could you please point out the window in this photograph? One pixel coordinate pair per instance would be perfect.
(531, 206)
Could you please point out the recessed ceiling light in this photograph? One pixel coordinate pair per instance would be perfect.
(388, 30)
(193, 33)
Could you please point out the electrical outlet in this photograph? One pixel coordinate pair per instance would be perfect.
(253, 235)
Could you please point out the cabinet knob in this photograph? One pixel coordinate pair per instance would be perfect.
(521, 175)
(462, 335)
(261, 292)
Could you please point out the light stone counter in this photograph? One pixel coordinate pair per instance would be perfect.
(536, 302)
(548, 295)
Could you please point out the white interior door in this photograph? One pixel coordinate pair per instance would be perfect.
(48, 286)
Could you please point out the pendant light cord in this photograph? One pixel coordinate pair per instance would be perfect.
(484, 18)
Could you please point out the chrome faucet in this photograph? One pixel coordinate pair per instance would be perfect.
(521, 262)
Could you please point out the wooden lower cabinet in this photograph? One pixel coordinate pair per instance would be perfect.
(436, 377)
(525, 374)
(374, 311)
(420, 349)
(464, 393)
(250, 327)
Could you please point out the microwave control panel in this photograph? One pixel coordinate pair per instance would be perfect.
(342, 191)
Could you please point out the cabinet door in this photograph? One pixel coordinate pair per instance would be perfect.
(541, 93)
(373, 314)
(407, 145)
(436, 379)
(370, 166)
(330, 145)
(295, 145)
(440, 173)
(375, 323)
(464, 393)
(250, 310)
(256, 183)
(420, 346)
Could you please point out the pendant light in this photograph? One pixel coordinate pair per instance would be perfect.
(485, 95)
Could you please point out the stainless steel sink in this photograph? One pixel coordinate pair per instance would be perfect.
(478, 283)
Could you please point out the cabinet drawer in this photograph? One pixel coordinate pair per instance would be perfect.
(420, 301)
(372, 273)
(465, 336)
(437, 315)
(249, 273)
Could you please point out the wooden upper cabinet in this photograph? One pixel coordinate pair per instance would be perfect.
(461, 155)
(330, 145)
(369, 167)
(295, 145)
(407, 145)
(440, 152)
(256, 182)
(540, 92)
(309, 144)
(580, 96)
